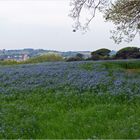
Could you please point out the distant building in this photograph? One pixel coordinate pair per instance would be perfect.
(21, 57)
(25, 57)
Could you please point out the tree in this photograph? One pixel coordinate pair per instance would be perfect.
(100, 54)
(77, 57)
(128, 52)
(125, 14)
(81, 56)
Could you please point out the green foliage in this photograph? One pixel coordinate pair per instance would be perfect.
(125, 53)
(133, 64)
(70, 59)
(125, 14)
(100, 54)
(128, 52)
(8, 62)
(68, 114)
(111, 65)
(77, 57)
(45, 58)
(87, 66)
(96, 57)
(37, 59)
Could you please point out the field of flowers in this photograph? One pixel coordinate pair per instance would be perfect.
(70, 100)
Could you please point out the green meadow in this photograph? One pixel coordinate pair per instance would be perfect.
(67, 112)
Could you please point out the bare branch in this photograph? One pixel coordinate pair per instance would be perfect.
(125, 14)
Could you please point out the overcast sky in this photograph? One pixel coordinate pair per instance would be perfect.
(44, 24)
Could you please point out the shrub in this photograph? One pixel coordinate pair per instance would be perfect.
(45, 58)
(73, 59)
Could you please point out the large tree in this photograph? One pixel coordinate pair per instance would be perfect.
(125, 14)
(128, 52)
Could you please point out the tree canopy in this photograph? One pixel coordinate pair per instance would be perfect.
(128, 52)
(125, 14)
(102, 52)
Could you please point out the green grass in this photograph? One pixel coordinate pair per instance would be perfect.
(9, 62)
(68, 114)
(44, 58)
(87, 66)
(131, 64)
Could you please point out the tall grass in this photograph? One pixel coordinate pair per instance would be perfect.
(120, 64)
(28, 111)
(68, 114)
(133, 64)
(8, 62)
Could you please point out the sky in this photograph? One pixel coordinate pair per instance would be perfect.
(45, 24)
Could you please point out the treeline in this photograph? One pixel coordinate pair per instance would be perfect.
(101, 54)
(105, 54)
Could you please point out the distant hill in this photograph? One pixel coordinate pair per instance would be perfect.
(36, 52)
